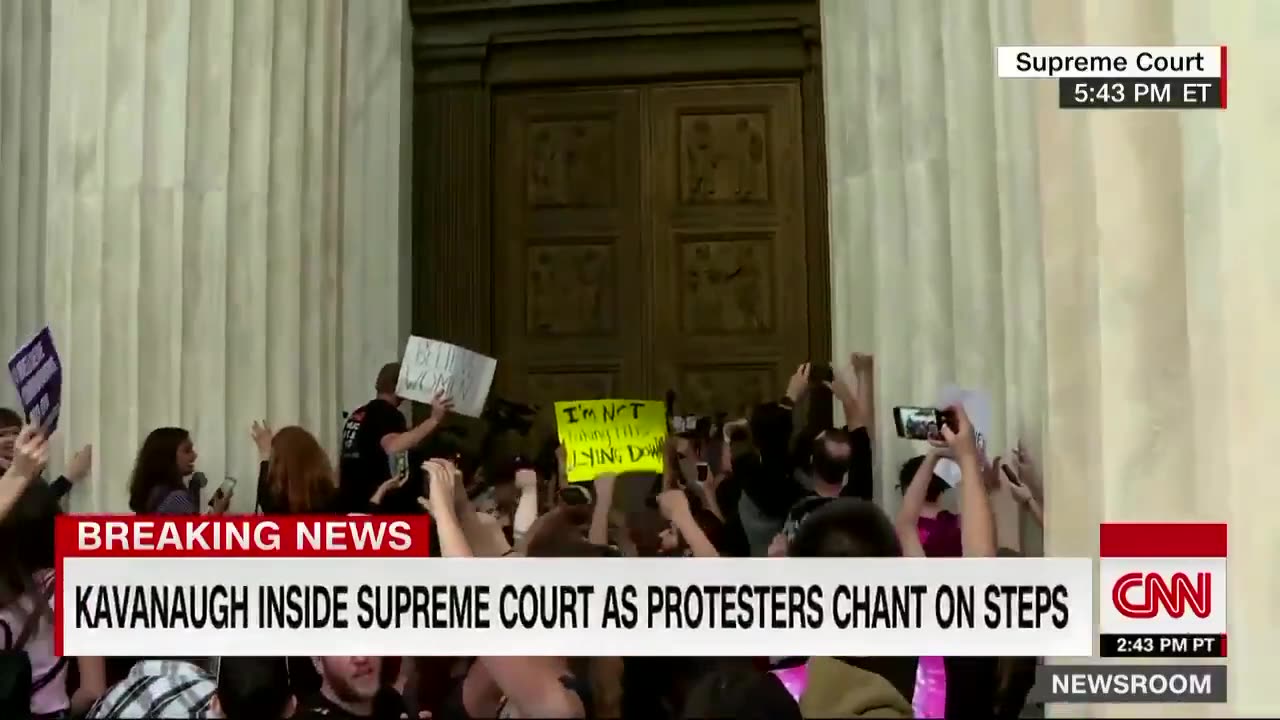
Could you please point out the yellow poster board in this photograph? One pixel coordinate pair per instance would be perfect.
(611, 436)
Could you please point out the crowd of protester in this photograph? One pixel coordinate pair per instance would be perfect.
(752, 486)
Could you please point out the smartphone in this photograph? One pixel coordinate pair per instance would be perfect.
(917, 423)
(1013, 478)
(820, 373)
(226, 488)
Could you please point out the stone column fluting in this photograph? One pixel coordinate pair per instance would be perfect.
(190, 264)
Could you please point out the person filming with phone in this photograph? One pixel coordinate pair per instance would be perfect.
(966, 685)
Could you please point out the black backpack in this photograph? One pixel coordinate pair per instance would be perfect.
(16, 683)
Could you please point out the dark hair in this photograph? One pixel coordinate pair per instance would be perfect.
(574, 496)
(712, 527)
(742, 694)
(156, 467)
(846, 527)
(562, 532)
(937, 485)
(643, 528)
(9, 418)
(387, 379)
(253, 687)
(825, 467)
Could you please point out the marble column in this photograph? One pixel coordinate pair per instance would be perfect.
(1159, 278)
(377, 159)
(934, 253)
(1118, 306)
(193, 225)
(24, 66)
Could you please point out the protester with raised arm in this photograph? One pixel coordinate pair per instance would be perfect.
(1017, 479)
(28, 597)
(375, 433)
(78, 467)
(28, 452)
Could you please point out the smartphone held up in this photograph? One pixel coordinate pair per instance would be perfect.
(227, 487)
(921, 423)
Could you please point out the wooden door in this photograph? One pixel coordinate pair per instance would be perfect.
(727, 228)
(568, 297)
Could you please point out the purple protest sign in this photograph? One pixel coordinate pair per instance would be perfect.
(37, 373)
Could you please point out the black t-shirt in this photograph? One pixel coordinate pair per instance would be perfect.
(364, 464)
(858, 484)
(317, 706)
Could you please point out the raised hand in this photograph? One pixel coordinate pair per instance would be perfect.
(1024, 464)
(713, 481)
(798, 385)
(30, 452)
(221, 502)
(991, 475)
(440, 482)
(862, 364)
(842, 388)
(80, 464)
(526, 479)
(261, 434)
(441, 404)
(1014, 484)
(940, 448)
(960, 440)
(392, 483)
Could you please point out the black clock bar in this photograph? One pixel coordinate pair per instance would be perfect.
(1162, 646)
(1202, 93)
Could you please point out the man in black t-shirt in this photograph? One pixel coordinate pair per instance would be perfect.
(375, 433)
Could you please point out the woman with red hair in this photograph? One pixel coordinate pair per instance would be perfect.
(296, 476)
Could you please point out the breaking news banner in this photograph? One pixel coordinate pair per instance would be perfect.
(1153, 78)
(1163, 590)
(308, 586)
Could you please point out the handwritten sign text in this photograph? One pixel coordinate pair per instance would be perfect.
(611, 436)
(430, 367)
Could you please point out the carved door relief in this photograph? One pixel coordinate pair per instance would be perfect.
(728, 235)
(650, 238)
(567, 244)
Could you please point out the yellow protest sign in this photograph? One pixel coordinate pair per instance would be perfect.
(611, 436)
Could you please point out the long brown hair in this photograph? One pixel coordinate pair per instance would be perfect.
(156, 468)
(300, 477)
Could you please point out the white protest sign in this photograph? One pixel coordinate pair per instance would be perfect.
(977, 405)
(430, 366)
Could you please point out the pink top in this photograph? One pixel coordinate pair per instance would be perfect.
(940, 535)
(52, 697)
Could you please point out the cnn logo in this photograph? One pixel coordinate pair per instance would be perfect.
(1142, 595)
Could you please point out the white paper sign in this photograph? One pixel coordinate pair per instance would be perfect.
(430, 366)
(977, 405)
